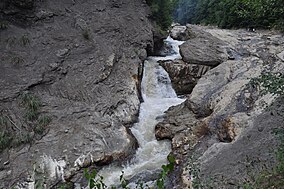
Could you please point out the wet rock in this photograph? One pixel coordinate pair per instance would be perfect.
(184, 76)
(179, 33)
(158, 38)
(163, 132)
(166, 50)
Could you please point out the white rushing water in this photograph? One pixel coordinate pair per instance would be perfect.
(158, 96)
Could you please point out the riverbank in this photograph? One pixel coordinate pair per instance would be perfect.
(222, 133)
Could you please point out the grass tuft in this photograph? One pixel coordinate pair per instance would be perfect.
(32, 105)
(86, 34)
(3, 25)
(24, 40)
(40, 127)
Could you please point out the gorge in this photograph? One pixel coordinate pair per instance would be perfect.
(79, 90)
(158, 96)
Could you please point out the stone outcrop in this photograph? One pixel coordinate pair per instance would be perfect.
(183, 76)
(226, 114)
(179, 33)
(82, 60)
(203, 52)
(202, 48)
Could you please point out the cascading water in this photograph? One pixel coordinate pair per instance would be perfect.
(158, 96)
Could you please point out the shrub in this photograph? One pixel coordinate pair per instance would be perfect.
(272, 83)
(95, 181)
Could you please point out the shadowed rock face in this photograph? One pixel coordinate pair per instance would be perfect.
(183, 76)
(82, 59)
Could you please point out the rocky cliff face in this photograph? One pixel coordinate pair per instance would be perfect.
(222, 133)
(69, 82)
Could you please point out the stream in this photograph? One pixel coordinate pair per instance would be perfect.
(158, 96)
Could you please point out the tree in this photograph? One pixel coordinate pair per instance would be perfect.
(232, 13)
(162, 12)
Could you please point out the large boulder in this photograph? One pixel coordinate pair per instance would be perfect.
(184, 33)
(183, 76)
(203, 51)
(179, 33)
(201, 47)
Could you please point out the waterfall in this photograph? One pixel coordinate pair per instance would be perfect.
(158, 96)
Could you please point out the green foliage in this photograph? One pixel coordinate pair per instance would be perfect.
(232, 13)
(3, 25)
(24, 40)
(40, 127)
(5, 140)
(272, 83)
(17, 60)
(32, 105)
(162, 12)
(13, 134)
(5, 136)
(166, 170)
(271, 178)
(280, 152)
(95, 181)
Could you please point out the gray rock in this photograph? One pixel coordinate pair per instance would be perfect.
(42, 14)
(184, 76)
(225, 114)
(179, 33)
(88, 87)
(62, 53)
(281, 56)
(184, 33)
(203, 51)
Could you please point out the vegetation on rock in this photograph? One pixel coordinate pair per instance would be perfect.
(274, 84)
(13, 134)
(271, 178)
(95, 181)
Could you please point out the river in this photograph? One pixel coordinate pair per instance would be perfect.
(158, 96)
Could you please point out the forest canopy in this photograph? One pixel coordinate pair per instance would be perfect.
(231, 13)
(223, 13)
(162, 12)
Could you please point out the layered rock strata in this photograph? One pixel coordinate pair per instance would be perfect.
(82, 60)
